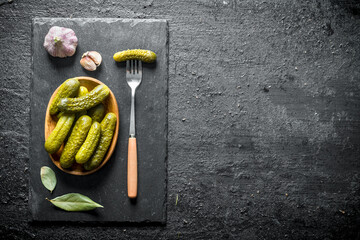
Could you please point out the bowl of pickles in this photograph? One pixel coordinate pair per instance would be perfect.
(81, 125)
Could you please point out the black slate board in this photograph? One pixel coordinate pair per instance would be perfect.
(108, 185)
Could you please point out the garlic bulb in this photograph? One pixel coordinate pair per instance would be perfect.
(60, 42)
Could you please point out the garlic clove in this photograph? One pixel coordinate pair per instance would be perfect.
(96, 57)
(90, 60)
(88, 63)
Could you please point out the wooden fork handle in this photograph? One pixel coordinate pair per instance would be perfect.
(132, 178)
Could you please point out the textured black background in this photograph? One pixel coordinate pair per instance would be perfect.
(264, 121)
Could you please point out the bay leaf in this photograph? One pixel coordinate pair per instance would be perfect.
(74, 202)
(48, 178)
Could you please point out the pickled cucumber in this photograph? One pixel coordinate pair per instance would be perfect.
(82, 92)
(137, 54)
(97, 113)
(68, 89)
(58, 135)
(59, 115)
(93, 98)
(75, 141)
(108, 125)
(89, 146)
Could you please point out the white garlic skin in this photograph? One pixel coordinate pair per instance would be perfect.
(61, 42)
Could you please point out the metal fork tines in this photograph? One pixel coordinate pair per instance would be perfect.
(133, 78)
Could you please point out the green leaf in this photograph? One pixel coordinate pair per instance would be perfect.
(48, 178)
(74, 202)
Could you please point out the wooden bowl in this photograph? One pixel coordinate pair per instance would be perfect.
(50, 123)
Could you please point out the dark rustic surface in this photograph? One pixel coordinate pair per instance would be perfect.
(108, 185)
(264, 120)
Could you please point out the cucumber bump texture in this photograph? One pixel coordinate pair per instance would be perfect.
(97, 113)
(108, 125)
(82, 92)
(137, 54)
(93, 98)
(76, 139)
(58, 135)
(88, 147)
(69, 88)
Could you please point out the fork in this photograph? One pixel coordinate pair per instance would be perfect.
(133, 79)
